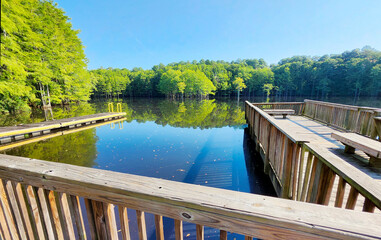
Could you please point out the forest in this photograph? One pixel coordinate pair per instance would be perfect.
(43, 62)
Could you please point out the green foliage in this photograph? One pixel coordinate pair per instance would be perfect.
(39, 46)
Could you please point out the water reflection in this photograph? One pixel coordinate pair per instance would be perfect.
(198, 142)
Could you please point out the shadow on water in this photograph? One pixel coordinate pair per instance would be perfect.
(259, 181)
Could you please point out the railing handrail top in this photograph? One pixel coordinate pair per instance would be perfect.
(280, 125)
(352, 107)
(278, 103)
(366, 185)
(200, 202)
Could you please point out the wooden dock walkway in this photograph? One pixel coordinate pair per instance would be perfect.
(13, 133)
(306, 164)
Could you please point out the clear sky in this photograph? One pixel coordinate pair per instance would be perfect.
(140, 33)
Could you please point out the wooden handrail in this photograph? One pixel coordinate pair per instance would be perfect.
(280, 125)
(248, 214)
(352, 107)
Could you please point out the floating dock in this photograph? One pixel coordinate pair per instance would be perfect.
(20, 132)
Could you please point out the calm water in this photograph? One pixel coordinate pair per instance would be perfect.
(198, 142)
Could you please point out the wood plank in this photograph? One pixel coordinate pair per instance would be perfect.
(199, 232)
(90, 218)
(179, 235)
(352, 198)
(35, 211)
(110, 221)
(99, 219)
(140, 218)
(4, 224)
(124, 225)
(223, 235)
(159, 227)
(77, 213)
(242, 213)
(11, 223)
(55, 215)
(67, 221)
(340, 193)
(24, 209)
(15, 209)
(46, 213)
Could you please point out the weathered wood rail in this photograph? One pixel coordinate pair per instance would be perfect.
(304, 171)
(351, 118)
(19, 132)
(44, 200)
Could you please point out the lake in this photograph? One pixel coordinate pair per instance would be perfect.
(198, 142)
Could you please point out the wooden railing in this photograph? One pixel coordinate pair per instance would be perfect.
(285, 146)
(296, 106)
(305, 172)
(352, 118)
(48, 200)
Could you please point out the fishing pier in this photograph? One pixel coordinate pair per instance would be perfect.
(326, 190)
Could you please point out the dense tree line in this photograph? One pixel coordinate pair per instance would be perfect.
(41, 55)
(352, 73)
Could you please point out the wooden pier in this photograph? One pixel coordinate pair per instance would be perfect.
(20, 132)
(324, 193)
(306, 164)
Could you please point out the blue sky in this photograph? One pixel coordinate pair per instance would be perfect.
(139, 33)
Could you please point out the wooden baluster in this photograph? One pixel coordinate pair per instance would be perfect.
(306, 177)
(300, 177)
(312, 179)
(55, 215)
(99, 219)
(123, 216)
(8, 212)
(223, 235)
(315, 187)
(248, 238)
(159, 227)
(24, 209)
(295, 164)
(286, 178)
(327, 178)
(110, 221)
(67, 221)
(368, 206)
(77, 213)
(4, 224)
(200, 232)
(141, 225)
(340, 193)
(46, 213)
(90, 218)
(179, 229)
(35, 211)
(16, 210)
(352, 198)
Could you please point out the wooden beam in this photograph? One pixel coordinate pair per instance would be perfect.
(242, 213)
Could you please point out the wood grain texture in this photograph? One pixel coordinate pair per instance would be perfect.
(199, 232)
(159, 227)
(247, 214)
(124, 225)
(179, 234)
(140, 218)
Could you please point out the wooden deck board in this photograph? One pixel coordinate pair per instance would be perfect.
(12, 131)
